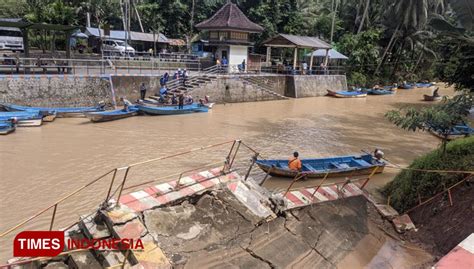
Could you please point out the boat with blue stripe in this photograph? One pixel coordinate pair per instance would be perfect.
(62, 112)
(7, 126)
(424, 85)
(379, 92)
(24, 118)
(347, 94)
(340, 166)
(172, 110)
(112, 114)
(406, 86)
(458, 131)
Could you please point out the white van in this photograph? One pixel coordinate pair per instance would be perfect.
(11, 39)
(117, 46)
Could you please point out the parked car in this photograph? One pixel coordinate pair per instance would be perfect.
(117, 47)
(11, 39)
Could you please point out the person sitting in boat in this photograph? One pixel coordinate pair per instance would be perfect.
(378, 154)
(126, 103)
(189, 100)
(435, 92)
(206, 99)
(294, 163)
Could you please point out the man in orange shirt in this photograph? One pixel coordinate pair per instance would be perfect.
(294, 163)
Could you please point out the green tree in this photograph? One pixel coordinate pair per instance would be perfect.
(440, 118)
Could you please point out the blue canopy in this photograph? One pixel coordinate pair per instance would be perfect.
(333, 54)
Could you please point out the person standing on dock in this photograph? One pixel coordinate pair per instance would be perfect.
(294, 163)
(142, 91)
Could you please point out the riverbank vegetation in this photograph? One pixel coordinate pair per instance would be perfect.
(409, 185)
(386, 41)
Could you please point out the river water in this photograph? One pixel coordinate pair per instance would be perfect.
(40, 165)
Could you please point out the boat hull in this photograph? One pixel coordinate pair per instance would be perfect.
(171, 110)
(347, 94)
(380, 92)
(278, 172)
(431, 98)
(338, 166)
(30, 122)
(61, 112)
(7, 127)
(111, 115)
(7, 130)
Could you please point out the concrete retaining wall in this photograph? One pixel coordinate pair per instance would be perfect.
(310, 86)
(55, 91)
(228, 89)
(80, 91)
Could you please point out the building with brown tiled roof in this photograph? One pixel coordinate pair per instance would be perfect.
(228, 33)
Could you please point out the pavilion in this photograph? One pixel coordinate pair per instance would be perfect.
(297, 42)
(228, 34)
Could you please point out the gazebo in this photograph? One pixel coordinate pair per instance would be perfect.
(296, 42)
(228, 33)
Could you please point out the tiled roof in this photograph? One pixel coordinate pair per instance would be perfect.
(283, 40)
(230, 17)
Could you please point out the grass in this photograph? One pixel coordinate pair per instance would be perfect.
(408, 185)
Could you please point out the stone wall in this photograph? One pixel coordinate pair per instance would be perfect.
(55, 91)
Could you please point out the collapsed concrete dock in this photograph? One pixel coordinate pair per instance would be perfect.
(217, 218)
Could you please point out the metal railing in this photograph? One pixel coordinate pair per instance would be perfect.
(110, 65)
(227, 166)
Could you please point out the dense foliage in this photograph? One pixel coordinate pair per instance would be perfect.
(386, 40)
(409, 185)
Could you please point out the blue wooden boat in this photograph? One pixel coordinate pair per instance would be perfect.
(347, 94)
(112, 114)
(317, 168)
(458, 131)
(7, 127)
(62, 112)
(406, 86)
(172, 110)
(423, 85)
(23, 118)
(379, 92)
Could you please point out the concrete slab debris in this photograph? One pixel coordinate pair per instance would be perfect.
(403, 223)
(83, 260)
(92, 229)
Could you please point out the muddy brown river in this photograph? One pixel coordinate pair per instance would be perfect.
(40, 165)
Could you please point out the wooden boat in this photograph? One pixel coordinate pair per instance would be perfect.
(458, 131)
(61, 112)
(24, 118)
(379, 92)
(347, 94)
(406, 86)
(112, 114)
(317, 168)
(432, 97)
(7, 127)
(171, 110)
(423, 85)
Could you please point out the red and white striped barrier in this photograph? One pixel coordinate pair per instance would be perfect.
(462, 256)
(304, 197)
(165, 193)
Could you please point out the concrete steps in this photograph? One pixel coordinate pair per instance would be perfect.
(264, 86)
